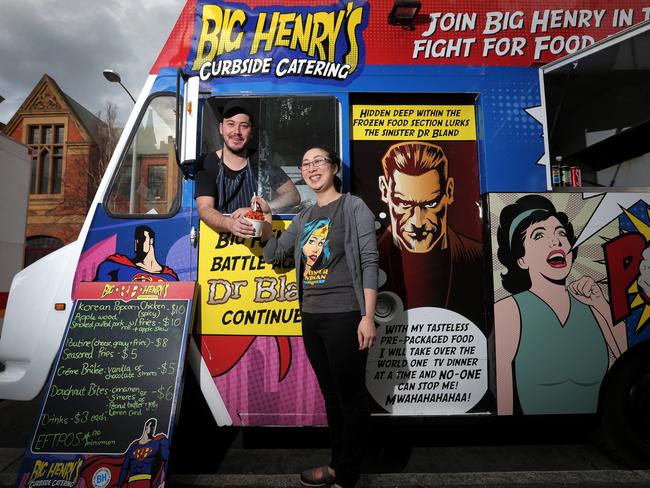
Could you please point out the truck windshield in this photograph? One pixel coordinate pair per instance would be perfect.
(147, 181)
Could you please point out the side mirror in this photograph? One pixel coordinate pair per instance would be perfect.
(189, 167)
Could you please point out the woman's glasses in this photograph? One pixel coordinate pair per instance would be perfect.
(317, 162)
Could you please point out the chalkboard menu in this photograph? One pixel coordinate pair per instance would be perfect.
(119, 366)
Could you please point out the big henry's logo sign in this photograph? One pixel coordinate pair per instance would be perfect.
(320, 43)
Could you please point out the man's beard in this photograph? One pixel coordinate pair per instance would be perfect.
(237, 152)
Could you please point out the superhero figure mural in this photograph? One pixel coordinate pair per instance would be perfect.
(430, 306)
(143, 465)
(146, 250)
(571, 283)
(143, 266)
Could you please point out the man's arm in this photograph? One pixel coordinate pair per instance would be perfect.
(205, 190)
(285, 197)
(220, 222)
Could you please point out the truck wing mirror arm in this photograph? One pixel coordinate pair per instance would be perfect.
(189, 167)
(179, 116)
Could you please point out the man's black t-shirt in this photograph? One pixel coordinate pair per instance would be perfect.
(234, 189)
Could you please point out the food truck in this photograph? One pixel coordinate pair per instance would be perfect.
(507, 285)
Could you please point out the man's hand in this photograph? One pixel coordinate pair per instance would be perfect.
(239, 226)
(240, 212)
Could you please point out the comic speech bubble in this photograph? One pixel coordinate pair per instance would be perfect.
(608, 209)
(428, 361)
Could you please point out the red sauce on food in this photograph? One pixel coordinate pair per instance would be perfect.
(253, 215)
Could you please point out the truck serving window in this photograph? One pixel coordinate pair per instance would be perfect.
(283, 128)
(148, 180)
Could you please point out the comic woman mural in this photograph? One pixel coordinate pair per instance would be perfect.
(552, 337)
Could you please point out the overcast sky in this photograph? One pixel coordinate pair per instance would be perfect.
(73, 41)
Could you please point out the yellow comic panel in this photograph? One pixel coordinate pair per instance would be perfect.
(414, 122)
(240, 293)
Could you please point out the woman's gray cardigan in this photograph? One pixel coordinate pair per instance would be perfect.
(360, 245)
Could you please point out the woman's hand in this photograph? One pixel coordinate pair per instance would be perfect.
(261, 205)
(587, 291)
(366, 332)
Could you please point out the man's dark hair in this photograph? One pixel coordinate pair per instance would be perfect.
(234, 107)
(139, 240)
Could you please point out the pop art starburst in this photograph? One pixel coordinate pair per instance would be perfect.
(636, 295)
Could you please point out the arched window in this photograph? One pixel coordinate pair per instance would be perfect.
(46, 144)
(39, 246)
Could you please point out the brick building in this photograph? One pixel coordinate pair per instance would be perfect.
(62, 136)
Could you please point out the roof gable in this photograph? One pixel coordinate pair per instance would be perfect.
(47, 97)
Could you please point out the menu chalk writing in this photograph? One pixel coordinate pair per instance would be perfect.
(119, 364)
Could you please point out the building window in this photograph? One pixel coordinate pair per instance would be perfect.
(156, 180)
(39, 246)
(46, 145)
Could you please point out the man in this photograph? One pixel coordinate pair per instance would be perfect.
(426, 262)
(142, 267)
(231, 176)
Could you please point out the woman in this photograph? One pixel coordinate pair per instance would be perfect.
(551, 336)
(334, 246)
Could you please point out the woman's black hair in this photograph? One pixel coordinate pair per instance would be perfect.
(334, 159)
(513, 222)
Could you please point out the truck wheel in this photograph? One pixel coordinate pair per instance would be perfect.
(625, 409)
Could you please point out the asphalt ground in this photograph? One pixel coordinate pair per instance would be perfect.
(10, 462)
(453, 452)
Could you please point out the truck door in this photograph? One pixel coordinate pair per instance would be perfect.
(141, 228)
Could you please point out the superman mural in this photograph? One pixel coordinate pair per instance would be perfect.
(143, 266)
(142, 466)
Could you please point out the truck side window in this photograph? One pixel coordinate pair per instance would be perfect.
(284, 127)
(148, 180)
